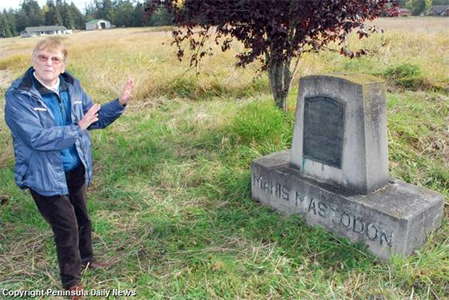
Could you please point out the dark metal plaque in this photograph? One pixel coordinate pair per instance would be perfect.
(324, 130)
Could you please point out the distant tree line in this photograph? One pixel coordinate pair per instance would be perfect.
(121, 13)
(404, 3)
(419, 7)
(126, 13)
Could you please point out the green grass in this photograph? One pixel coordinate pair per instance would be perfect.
(171, 204)
(405, 75)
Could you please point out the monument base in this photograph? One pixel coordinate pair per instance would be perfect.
(395, 219)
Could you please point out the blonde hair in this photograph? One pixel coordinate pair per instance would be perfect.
(51, 43)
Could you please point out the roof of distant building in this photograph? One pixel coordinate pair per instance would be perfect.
(440, 8)
(45, 28)
(96, 20)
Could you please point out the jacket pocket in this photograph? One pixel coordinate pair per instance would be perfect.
(20, 174)
(46, 172)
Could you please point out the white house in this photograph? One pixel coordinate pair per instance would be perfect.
(44, 30)
(98, 24)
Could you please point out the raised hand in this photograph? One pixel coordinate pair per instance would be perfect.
(127, 92)
(90, 117)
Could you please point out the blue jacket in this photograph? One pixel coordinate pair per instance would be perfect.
(37, 139)
(60, 106)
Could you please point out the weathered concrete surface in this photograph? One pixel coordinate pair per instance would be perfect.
(393, 220)
(363, 164)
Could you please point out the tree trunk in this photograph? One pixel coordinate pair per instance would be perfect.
(280, 79)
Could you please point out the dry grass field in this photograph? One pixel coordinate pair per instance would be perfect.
(171, 202)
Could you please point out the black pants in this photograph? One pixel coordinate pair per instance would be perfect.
(69, 220)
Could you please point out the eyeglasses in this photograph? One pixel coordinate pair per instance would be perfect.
(54, 59)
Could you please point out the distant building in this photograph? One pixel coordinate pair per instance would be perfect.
(397, 12)
(439, 10)
(98, 24)
(44, 30)
(404, 12)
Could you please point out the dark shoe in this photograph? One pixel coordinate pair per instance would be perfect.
(76, 292)
(96, 265)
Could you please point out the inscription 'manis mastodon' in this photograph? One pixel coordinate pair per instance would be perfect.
(322, 206)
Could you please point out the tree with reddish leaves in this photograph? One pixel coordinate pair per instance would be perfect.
(273, 32)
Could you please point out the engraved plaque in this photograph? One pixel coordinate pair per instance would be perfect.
(323, 130)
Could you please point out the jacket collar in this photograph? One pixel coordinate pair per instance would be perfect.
(28, 81)
(44, 90)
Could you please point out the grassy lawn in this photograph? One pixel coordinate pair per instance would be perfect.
(171, 202)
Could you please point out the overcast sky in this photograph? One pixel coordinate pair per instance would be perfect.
(81, 4)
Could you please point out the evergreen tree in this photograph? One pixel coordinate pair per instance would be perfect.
(78, 17)
(104, 9)
(418, 6)
(67, 16)
(126, 13)
(10, 20)
(122, 13)
(139, 17)
(160, 17)
(32, 13)
(5, 27)
(13, 21)
(90, 11)
(53, 14)
(440, 2)
(21, 20)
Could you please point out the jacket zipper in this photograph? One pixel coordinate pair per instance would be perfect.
(62, 109)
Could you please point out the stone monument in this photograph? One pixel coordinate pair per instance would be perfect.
(336, 174)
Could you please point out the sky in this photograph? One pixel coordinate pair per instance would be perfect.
(81, 4)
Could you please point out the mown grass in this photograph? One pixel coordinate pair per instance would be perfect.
(171, 200)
